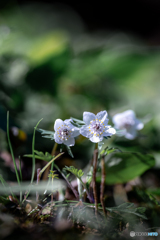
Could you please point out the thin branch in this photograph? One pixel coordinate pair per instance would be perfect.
(69, 184)
(94, 179)
(38, 179)
(102, 185)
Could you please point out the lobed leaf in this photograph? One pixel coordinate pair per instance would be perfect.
(128, 208)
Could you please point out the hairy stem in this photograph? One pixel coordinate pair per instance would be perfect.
(95, 158)
(38, 179)
(102, 185)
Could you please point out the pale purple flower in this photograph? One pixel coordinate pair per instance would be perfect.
(96, 126)
(128, 123)
(65, 132)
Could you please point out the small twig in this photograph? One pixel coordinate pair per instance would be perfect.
(52, 192)
(38, 179)
(94, 179)
(69, 184)
(85, 187)
(102, 185)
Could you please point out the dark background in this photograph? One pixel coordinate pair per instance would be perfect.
(139, 17)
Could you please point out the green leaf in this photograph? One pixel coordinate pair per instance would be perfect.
(68, 175)
(147, 197)
(129, 208)
(69, 151)
(107, 151)
(49, 134)
(40, 155)
(4, 200)
(123, 167)
(89, 176)
(78, 173)
(100, 145)
(77, 123)
(155, 191)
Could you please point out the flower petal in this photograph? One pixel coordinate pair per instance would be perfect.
(105, 122)
(57, 139)
(58, 123)
(117, 118)
(84, 130)
(131, 135)
(74, 132)
(96, 139)
(67, 121)
(109, 132)
(129, 113)
(102, 115)
(69, 142)
(139, 124)
(88, 116)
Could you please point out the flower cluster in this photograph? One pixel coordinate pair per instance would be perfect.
(95, 127)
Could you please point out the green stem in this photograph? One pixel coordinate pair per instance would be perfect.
(48, 164)
(14, 162)
(45, 176)
(11, 150)
(33, 158)
(20, 171)
(3, 182)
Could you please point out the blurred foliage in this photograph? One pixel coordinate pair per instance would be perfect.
(123, 167)
(50, 68)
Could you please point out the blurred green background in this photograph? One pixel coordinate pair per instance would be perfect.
(52, 67)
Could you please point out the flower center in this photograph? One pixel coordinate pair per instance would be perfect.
(96, 127)
(127, 124)
(64, 132)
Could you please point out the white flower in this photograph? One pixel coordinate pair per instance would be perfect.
(96, 127)
(65, 132)
(128, 123)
